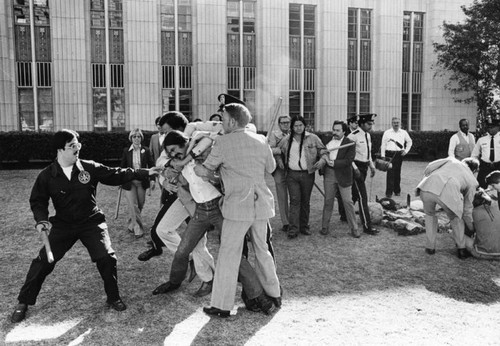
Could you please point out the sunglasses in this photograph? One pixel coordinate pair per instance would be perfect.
(74, 146)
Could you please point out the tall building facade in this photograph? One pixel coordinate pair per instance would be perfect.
(105, 65)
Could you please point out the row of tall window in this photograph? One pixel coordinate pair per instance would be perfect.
(34, 64)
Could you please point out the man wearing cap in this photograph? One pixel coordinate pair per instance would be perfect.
(363, 161)
(461, 143)
(279, 174)
(487, 151)
(396, 143)
(352, 124)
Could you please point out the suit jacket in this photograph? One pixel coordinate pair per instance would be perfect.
(454, 183)
(146, 162)
(342, 165)
(154, 145)
(243, 158)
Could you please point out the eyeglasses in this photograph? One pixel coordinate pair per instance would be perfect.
(136, 136)
(74, 146)
(284, 122)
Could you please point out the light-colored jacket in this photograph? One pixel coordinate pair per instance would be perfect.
(454, 183)
(312, 148)
(243, 158)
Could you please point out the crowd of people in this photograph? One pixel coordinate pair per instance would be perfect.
(212, 176)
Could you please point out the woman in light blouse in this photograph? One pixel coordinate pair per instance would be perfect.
(136, 156)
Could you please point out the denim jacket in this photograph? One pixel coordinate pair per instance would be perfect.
(312, 148)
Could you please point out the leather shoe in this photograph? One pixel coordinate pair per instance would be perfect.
(165, 288)
(205, 288)
(147, 255)
(397, 194)
(292, 235)
(216, 312)
(371, 231)
(276, 301)
(192, 271)
(463, 253)
(118, 305)
(265, 304)
(19, 313)
(285, 228)
(324, 231)
(430, 251)
(305, 232)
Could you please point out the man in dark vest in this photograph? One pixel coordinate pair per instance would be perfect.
(461, 143)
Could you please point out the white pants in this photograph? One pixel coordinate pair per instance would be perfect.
(136, 197)
(167, 231)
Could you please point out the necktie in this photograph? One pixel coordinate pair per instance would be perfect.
(367, 147)
(492, 150)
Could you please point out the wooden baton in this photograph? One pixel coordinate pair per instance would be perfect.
(46, 244)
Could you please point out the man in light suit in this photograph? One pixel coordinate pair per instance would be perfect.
(243, 157)
(338, 177)
(451, 184)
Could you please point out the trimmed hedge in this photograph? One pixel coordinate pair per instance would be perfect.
(27, 147)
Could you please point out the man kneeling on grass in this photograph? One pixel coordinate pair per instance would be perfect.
(485, 242)
(71, 184)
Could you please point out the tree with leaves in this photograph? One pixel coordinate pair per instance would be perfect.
(471, 52)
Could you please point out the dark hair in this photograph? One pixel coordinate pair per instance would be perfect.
(292, 133)
(157, 120)
(62, 137)
(197, 120)
(493, 178)
(239, 113)
(176, 120)
(460, 121)
(215, 115)
(175, 138)
(472, 163)
(339, 122)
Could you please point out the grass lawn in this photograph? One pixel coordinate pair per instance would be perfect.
(337, 290)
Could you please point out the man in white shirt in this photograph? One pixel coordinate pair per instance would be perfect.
(461, 143)
(362, 162)
(207, 212)
(487, 150)
(396, 143)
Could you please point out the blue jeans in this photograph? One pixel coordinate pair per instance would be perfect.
(300, 185)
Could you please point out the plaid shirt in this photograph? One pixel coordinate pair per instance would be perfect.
(243, 158)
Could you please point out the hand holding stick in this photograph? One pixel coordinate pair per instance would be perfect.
(46, 244)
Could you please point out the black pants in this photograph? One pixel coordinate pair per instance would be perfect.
(62, 238)
(393, 179)
(359, 194)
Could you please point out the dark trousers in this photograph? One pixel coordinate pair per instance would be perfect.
(359, 194)
(486, 168)
(205, 215)
(300, 185)
(341, 206)
(393, 179)
(62, 238)
(167, 200)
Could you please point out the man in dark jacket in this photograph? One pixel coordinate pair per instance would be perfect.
(338, 177)
(71, 185)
